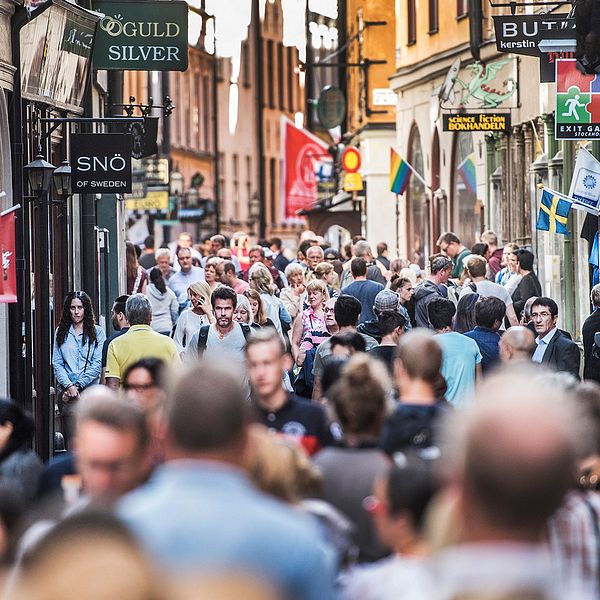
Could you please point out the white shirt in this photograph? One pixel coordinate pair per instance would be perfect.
(188, 323)
(542, 344)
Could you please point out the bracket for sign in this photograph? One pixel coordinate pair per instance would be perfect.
(513, 5)
(167, 107)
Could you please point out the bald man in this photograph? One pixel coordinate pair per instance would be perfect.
(517, 344)
(514, 459)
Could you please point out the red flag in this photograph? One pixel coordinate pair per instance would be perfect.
(8, 276)
(302, 153)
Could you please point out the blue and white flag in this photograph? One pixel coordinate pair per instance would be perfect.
(585, 184)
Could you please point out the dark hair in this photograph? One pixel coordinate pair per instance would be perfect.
(223, 293)
(465, 313)
(131, 260)
(440, 263)
(410, 489)
(332, 371)
(89, 319)
(275, 241)
(488, 310)
(358, 267)
(350, 339)
(440, 312)
(119, 303)
(158, 280)
(448, 238)
(398, 282)
(525, 259)
(149, 241)
(154, 367)
(381, 247)
(304, 246)
(23, 426)
(480, 248)
(347, 310)
(229, 267)
(547, 303)
(390, 320)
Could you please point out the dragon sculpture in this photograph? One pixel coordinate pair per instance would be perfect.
(478, 89)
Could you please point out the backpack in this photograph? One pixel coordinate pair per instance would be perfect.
(203, 337)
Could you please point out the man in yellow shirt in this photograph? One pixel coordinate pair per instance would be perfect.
(139, 342)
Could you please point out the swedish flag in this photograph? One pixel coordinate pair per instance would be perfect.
(554, 211)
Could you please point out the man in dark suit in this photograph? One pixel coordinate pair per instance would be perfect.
(591, 365)
(552, 347)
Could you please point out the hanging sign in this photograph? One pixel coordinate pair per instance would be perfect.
(577, 103)
(351, 160)
(331, 107)
(142, 36)
(542, 35)
(101, 162)
(353, 182)
(476, 122)
(8, 274)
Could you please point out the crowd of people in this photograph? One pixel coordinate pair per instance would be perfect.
(328, 423)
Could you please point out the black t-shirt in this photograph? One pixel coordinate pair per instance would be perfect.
(385, 354)
(107, 342)
(303, 420)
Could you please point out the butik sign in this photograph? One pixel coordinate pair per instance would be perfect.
(142, 36)
(522, 34)
(101, 162)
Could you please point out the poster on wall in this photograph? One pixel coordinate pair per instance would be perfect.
(577, 103)
(303, 155)
(8, 275)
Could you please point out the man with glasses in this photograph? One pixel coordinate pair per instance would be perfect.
(553, 348)
(451, 246)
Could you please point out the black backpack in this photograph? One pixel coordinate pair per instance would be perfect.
(203, 336)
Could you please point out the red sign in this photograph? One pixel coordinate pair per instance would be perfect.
(8, 275)
(303, 154)
(351, 160)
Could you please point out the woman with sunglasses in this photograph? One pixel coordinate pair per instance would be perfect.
(77, 355)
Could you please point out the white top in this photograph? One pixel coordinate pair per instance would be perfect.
(231, 347)
(187, 325)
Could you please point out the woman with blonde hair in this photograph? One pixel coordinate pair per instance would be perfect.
(137, 280)
(261, 281)
(325, 272)
(258, 312)
(199, 314)
(243, 310)
(309, 327)
(294, 294)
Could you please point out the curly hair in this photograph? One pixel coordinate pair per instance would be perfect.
(89, 319)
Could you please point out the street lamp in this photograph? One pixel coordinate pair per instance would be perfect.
(39, 174)
(62, 179)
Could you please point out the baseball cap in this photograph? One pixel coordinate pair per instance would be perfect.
(386, 300)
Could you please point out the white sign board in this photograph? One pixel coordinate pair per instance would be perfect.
(384, 97)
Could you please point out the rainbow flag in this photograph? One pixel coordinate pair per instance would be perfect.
(399, 173)
(468, 173)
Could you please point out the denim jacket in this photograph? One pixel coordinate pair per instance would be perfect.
(77, 363)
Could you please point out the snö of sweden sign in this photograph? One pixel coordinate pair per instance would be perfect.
(146, 36)
(101, 162)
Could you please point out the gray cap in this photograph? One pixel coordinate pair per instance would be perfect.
(386, 300)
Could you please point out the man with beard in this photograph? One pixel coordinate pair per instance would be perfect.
(119, 323)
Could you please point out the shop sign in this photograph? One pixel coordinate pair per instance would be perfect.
(156, 171)
(331, 107)
(353, 182)
(152, 201)
(384, 97)
(577, 113)
(101, 162)
(522, 34)
(143, 36)
(476, 122)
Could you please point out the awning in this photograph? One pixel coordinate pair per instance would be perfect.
(327, 204)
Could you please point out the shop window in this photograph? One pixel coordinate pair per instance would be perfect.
(465, 217)
(418, 206)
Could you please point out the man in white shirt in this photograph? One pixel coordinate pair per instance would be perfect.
(476, 267)
(180, 282)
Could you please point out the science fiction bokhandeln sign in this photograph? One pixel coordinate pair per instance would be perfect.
(142, 36)
(476, 122)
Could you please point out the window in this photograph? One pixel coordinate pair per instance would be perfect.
(411, 21)
(246, 64)
(417, 205)
(291, 75)
(280, 78)
(273, 185)
(461, 8)
(434, 21)
(196, 113)
(269, 73)
(208, 108)
(236, 187)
